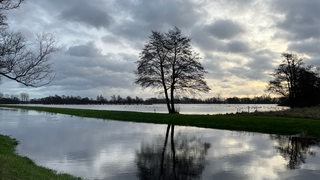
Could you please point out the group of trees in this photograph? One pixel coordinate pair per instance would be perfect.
(85, 100)
(216, 100)
(298, 85)
(24, 99)
(117, 99)
(14, 99)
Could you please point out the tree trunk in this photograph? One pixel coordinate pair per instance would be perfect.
(163, 152)
(173, 110)
(165, 88)
(167, 100)
(173, 152)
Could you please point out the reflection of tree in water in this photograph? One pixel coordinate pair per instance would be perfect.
(184, 160)
(295, 149)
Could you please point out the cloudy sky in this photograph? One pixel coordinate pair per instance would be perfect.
(240, 42)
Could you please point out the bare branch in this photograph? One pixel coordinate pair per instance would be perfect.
(23, 64)
(7, 5)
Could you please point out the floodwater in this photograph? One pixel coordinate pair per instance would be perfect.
(105, 149)
(181, 108)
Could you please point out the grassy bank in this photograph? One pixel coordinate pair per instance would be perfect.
(258, 122)
(13, 166)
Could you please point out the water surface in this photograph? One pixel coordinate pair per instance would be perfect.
(182, 108)
(98, 149)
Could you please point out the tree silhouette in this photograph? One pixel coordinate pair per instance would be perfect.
(20, 60)
(308, 88)
(298, 84)
(186, 160)
(168, 62)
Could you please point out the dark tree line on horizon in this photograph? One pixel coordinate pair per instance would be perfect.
(117, 99)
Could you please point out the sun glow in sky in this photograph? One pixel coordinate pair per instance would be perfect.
(240, 42)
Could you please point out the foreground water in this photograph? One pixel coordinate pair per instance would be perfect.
(98, 149)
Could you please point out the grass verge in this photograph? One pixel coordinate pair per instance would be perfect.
(256, 122)
(16, 167)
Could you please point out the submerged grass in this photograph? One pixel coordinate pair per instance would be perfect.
(273, 123)
(305, 112)
(13, 166)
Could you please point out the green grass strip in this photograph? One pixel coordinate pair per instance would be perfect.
(256, 122)
(16, 167)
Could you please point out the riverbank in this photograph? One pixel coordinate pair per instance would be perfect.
(284, 122)
(13, 166)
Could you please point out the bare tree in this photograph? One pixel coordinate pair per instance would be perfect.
(20, 60)
(24, 97)
(168, 62)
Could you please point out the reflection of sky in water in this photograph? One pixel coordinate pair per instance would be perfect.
(107, 149)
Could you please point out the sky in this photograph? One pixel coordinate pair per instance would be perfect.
(240, 42)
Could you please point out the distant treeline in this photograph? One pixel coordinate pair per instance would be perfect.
(23, 99)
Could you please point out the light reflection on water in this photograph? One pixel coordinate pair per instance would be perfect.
(98, 149)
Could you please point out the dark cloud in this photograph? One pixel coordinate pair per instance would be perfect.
(236, 3)
(202, 38)
(224, 29)
(237, 47)
(209, 44)
(179, 13)
(88, 13)
(315, 61)
(213, 66)
(301, 18)
(142, 16)
(310, 46)
(252, 65)
(133, 30)
(86, 50)
(84, 67)
(261, 64)
(94, 13)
